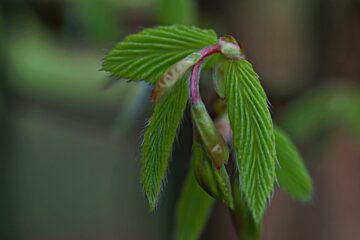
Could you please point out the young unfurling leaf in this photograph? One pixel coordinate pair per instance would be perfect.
(253, 136)
(214, 182)
(291, 172)
(159, 137)
(193, 210)
(214, 144)
(147, 55)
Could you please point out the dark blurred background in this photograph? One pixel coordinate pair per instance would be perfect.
(69, 152)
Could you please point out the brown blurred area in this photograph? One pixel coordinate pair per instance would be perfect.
(70, 141)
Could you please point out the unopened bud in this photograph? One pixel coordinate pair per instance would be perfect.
(230, 48)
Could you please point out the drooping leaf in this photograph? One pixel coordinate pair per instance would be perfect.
(148, 54)
(159, 138)
(253, 136)
(193, 210)
(291, 172)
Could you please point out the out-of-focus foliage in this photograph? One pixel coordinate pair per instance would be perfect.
(291, 172)
(193, 209)
(177, 11)
(43, 68)
(96, 19)
(323, 109)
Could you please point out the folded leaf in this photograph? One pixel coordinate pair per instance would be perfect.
(214, 182)
(159, 138)
(253, 136)
(213, 143)
(148, 54)
(193, 210)
(291, 172)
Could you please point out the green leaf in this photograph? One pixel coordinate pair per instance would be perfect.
(253, 136)
(291, 172)
(159, 138)
(193, 210)
(148, 54)
(243, 222)
(214, 182)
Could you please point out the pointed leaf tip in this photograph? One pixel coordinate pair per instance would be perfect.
(158, 139)
(253, 136)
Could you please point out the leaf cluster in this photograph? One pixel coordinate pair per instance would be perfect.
(263, 154)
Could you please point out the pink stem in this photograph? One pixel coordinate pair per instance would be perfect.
(194, 83)
(195, 73)
(205, 52)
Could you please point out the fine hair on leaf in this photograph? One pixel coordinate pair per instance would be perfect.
(159, 137)
(253, 136)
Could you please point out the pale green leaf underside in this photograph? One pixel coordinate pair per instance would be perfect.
(159, 137)
(253, 136)
(146, 55)
(193, 210)
(291, 172)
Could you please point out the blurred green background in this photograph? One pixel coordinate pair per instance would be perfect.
(70, 135)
